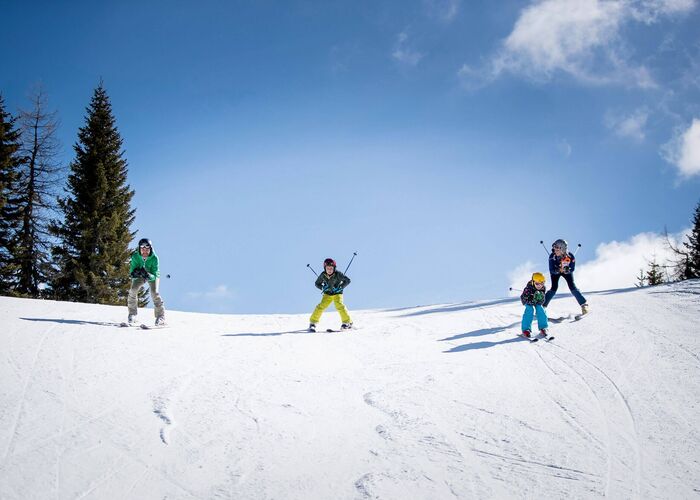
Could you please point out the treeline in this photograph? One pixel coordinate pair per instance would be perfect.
(685, 263)
(64, 231)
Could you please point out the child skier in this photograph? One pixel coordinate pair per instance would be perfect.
(562, 264)
(332, 283)
(533, 298)
(144, 269)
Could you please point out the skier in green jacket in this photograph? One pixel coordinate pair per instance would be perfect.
(144, 269)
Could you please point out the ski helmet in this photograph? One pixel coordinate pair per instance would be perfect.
(329, 262)
(561, 245)
(145, 242)
(538, 278)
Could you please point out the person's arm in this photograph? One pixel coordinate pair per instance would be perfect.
(553, 264)
(132, 265)
(526, 296)
(320, 282)
(155, 271)
(572, 264)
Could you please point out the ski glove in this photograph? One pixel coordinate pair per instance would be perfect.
(539, 297)
(141, 273)
(338, 289)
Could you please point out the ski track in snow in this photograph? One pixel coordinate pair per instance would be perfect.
(25, 386)
(605, 390)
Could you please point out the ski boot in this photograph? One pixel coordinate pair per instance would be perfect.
(312, 327)
(527, 333)
(132, 320)
(544, 333)
(584, 308)
(160, 321)
(346, 326)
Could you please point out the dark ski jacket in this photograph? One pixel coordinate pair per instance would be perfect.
(562, 265)
(333, 284)
(530, 296)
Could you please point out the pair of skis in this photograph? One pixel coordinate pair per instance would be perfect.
(330, 330)
(560, 319)
(546, 338)
(142, 326)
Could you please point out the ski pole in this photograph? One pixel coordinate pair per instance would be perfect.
(545, 248)
(312, 269)
(353, 258)
(577, 249)
(515, 289)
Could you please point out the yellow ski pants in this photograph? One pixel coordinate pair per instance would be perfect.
(325, 302)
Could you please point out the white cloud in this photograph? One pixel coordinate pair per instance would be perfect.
(444, 10)
(628, 126)
(219, 292)
(683, 150)
(579, 38)
(648, 11)
(564, 148)
(404, 53)
(616, 264)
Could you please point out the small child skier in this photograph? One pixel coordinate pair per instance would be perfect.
(533, 298)
(332, 283)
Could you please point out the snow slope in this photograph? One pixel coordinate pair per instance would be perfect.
(419, 403)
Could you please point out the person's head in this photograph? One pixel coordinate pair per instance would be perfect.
(560, 247)
(145, 247)
(538, 280)
(329, 266)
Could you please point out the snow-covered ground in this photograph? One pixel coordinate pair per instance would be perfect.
(418, 403)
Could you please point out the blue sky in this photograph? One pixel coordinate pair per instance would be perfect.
(439, 139)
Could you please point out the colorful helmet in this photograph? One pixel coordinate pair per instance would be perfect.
(329, 262)
(561, 245)
(538, 278)
(145, 242)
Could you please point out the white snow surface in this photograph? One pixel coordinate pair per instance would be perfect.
(431, 402)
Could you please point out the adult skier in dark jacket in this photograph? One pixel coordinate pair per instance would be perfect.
(562, 264)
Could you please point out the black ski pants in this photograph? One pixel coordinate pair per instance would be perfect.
(555, 285)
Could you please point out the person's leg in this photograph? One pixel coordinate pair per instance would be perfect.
(132, 301)
(526, 323)
(157, 299)
(542, 321)
(550, 293)
(574, 290)
(325, 302)
(340, 307)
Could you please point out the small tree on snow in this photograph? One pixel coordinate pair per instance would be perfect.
(654, 275)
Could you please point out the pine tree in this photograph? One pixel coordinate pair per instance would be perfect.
(10, 215)
(687, 261)
(641, 279)
(93, 254)
(40, 174)
(692, 248)
(654, 274)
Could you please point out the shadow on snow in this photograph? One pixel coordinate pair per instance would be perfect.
(72, 321)
(461, 307)
(485, 345)
(480, 333)
(271, 334)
